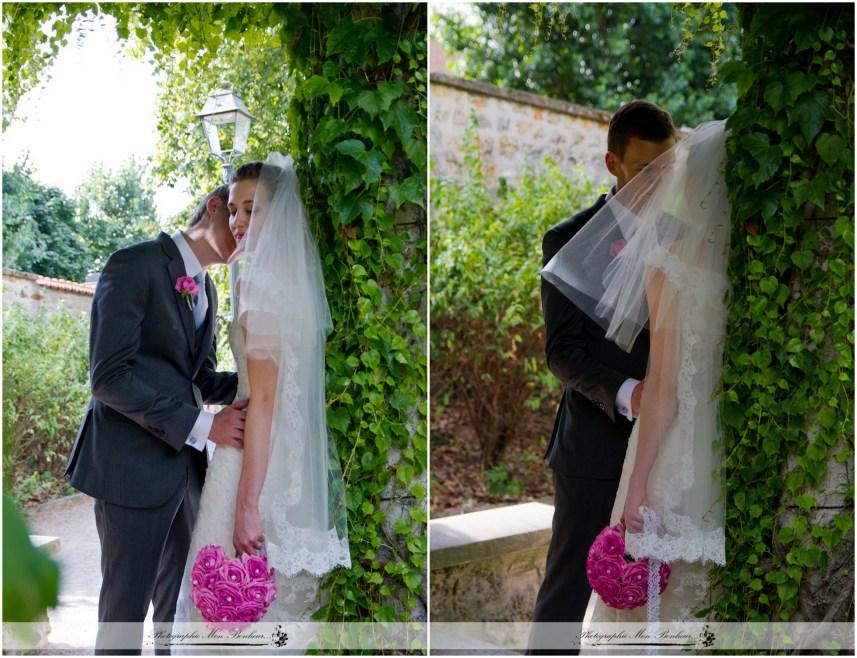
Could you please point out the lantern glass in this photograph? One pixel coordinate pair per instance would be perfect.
(226, 123)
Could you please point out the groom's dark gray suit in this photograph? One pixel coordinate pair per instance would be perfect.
(150, 371)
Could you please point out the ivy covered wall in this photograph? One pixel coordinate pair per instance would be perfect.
(788, 375)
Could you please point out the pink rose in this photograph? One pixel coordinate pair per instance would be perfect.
(249, 611)
(612, 543)
(257, 566)
(226, 619)
(608, 590)
(665, 576)
(616, 247)
(206, 602)
(609, 567)
(271, 593)
(632, 596)
(227, 593)
(234, 572)
(637, 573)
(210, 558)
(255, 592)
(186, 285)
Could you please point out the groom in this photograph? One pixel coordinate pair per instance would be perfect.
(602, 389)
(140, 451)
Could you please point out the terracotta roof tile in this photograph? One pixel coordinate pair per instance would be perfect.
(50, 282)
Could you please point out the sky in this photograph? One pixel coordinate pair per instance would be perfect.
(98, 105)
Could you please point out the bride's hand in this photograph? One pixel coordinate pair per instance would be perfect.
(248, 536)
(631, 516)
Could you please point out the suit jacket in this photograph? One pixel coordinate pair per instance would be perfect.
(589, 436)
(150, 372)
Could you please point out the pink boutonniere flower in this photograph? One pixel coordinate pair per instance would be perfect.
(186, 287)
(616, 247)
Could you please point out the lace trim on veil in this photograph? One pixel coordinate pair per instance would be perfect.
(292, 549)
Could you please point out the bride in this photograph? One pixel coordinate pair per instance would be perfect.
(674, 221)
(283, 494)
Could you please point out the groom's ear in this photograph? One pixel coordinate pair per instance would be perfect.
(213, 206)
(610, 161)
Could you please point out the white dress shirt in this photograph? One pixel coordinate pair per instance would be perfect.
(202, 427)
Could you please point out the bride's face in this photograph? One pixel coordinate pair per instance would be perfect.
(243, 206)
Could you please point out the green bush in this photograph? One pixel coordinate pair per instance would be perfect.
(487, 347)
(45, 391)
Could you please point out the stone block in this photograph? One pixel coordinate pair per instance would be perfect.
(488, 565)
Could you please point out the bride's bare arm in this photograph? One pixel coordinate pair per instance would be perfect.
(659, 402)
(262, 374)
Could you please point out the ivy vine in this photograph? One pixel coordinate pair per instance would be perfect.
(788, 409)
(355, 76)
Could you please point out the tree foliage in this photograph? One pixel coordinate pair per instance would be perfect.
(40, 229)
(597, 54)
(115, 209)
(788, 408)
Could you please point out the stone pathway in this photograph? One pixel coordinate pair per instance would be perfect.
(74, 623)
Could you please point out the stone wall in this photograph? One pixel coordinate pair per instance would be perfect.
(515, 127)
(44, 294)
(488, 565)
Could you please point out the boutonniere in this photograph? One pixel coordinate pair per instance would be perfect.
(616, 247)
(186, 287)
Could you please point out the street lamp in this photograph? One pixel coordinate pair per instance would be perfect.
(226, 123)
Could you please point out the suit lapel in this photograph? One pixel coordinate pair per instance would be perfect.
(211, 318)
(176, 270)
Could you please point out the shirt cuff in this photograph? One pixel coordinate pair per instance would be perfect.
(623, 397)
(200, 430)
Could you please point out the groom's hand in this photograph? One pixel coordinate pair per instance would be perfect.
(228, 426)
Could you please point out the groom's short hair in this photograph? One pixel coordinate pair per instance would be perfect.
(640, 119)
(222, 192)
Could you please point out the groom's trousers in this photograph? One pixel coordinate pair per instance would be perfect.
(582, 508)
(143, 554)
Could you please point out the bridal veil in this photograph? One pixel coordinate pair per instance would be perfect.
(655, 256)
(283, 309)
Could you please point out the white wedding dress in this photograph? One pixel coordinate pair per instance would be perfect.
(686, 456)
(297, 594)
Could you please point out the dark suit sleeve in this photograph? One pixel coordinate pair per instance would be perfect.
(118, 308)
(215, 387)
(566, 350)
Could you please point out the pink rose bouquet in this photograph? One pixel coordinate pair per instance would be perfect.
(231, 593)
(620, 581)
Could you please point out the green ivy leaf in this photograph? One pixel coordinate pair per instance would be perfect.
(768, 157)
(810, 112)
(352, 147)
(774, 95)
(829, 147)
(737, 72)
(339, 419)
(401, 118)
(390, 91)
(371, 101)
(411, 190)
(799, 82)
(805, 502)
(802, 259)
(314, 86)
